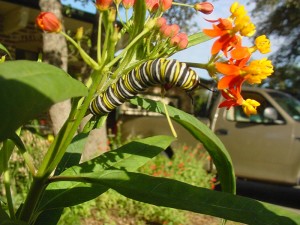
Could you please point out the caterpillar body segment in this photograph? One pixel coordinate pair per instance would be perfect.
(159, 71)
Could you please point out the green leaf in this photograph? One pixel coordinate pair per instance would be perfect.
(198, 38)
(73, 153)
(128, 157)
(179, 195)
(5, 50)
(201, 132)
(29, 88)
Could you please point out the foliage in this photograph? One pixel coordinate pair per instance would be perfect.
(61, 180)
(281, 19)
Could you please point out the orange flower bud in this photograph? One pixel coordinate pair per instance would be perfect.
(165, 4)
(204, 7)
(48, 21)
(180, 40)
(152, 5)
(128, 3)
(103, 5)
(170, 30)
(160, 22)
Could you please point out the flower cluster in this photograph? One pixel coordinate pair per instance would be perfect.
(237, 68)
(160, 39)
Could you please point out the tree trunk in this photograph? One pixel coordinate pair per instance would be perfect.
(56, 53)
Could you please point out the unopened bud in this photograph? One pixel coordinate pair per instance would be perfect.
(128, 3)
(161, 22)
(204, 7)
(170, 30)
(103, 5)
(165, 4)
(112, 15)
(48, 21)
(79, 34)
(152, 5)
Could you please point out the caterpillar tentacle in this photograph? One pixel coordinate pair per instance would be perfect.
(159, 71)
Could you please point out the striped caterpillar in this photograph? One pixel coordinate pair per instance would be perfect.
(161, 71)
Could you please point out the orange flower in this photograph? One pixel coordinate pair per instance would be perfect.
(232, 97)
(253, 73)
(48, 21)
(227, 39)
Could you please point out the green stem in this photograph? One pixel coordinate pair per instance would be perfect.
(56, 152)
(10, 205)
(99, 38)
(27, 157)
(32, 199)
(83, 54)
(136, 39)
(182, 4)
(6, 178)
(169, 121)
(198, 65)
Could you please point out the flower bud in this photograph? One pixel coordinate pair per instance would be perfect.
(180, 41)
(103, 5)
(161, 22)
(165, 4)
(183, 43)
(204, 7)
(170, 30)
(79, 34)
(48, 21)
(152, 5)
(128, 3)
(112, 15)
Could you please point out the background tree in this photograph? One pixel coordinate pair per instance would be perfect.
(55, 52)
(281, 19)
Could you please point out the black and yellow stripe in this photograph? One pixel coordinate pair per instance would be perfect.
(159, 71)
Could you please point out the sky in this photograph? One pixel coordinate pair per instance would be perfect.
(201, 52)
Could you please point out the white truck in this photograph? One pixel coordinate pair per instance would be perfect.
(263, 147)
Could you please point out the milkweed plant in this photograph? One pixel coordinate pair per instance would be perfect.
(61, 180)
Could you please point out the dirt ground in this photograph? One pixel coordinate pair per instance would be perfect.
(195, 219)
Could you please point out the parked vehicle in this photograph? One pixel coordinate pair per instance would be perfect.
(263, 147)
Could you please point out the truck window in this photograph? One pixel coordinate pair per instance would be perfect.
(288, 103)
(236, 113)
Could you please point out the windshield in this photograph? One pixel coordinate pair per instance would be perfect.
(288, 103)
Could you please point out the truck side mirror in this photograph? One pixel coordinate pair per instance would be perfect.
(271, 115)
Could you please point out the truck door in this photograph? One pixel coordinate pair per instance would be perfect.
(259, 147)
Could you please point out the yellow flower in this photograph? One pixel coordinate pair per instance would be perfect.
(258, 70)
(249, 106)
(248, 30)
(50, 138)
(242, 21)
(263, 44)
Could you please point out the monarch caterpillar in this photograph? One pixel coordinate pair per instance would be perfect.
(162, 71)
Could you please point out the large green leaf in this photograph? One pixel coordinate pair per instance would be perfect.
(128, 157)
(28, 88)
(202, 133)
(179, 195)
